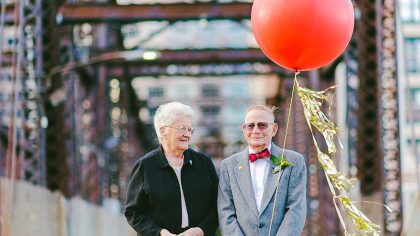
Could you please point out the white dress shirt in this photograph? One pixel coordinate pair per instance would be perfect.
(259, 170)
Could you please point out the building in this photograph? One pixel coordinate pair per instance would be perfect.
(410, 20)
(220, 103)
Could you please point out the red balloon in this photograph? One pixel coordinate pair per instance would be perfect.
(302, 34)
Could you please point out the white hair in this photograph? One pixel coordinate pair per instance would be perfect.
(264, 108)
(169, 113)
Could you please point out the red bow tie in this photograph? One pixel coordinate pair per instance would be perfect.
(256, 156)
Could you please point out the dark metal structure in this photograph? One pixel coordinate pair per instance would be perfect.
(27, 159)
(78, 137)
(102, 12)
(390, 134)
(378, 143)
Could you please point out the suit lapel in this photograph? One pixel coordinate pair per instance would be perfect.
(243, 178)
(272, 180)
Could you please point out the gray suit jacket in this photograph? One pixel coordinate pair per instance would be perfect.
(237, 209)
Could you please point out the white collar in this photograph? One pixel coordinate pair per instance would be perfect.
(250, 151)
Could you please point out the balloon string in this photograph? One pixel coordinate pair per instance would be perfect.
(376, 203)
(282, 154)
(289, 113)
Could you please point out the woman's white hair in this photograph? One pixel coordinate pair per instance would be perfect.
(169, 113)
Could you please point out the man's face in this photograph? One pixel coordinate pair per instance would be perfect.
(259, 129)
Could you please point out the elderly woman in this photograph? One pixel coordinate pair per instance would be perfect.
(173, 189)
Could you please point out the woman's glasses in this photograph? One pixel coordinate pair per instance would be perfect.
(182, 128)
(260, 125)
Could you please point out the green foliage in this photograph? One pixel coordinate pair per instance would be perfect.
(280, 163)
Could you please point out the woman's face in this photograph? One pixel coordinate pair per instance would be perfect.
(175, 137)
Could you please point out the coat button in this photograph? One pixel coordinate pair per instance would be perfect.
(261, 225)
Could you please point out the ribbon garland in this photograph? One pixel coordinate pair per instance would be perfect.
(312, 101)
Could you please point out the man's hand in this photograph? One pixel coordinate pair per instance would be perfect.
(165, 232)
(193, 232)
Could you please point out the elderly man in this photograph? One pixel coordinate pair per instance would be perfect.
(248, 182)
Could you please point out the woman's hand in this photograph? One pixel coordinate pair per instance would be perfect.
(193, 232)
(165, 232)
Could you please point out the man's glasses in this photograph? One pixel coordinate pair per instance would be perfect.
(182, 128)
(260, 125)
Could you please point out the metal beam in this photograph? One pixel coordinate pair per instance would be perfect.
(194, 70)
(6, 58)
(169, 12)
(9, 14)
(368, 145)
(203, 56)
(105, 13)
(170, 57)
(390, 113)
(207, 56)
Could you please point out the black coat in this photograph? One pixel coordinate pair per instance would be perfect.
(154, 197)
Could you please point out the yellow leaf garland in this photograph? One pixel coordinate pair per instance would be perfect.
(312, 101)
